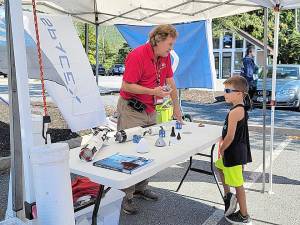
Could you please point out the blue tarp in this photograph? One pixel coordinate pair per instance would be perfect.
(192, 47)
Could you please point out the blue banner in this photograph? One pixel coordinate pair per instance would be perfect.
(195, 69)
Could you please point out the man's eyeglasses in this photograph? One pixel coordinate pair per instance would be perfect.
(227, 90)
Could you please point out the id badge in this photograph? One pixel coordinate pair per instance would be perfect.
(157, 100)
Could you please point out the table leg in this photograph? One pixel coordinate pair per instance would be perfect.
(186, 172)
(212, 172)
(212, 167)
(97, 204)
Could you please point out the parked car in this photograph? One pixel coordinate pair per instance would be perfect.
(101, 70)
(287, 87)
(117, 69)
(3, 74)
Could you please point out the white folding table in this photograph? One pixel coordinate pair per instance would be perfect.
(194, 140)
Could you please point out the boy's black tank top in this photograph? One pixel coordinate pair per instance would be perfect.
(238, 152)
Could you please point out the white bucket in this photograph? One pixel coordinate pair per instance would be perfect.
(37, 140)
(50, 164)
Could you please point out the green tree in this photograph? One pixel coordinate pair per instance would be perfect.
(252, 23)
(290, 51)
(122, 53)
(110, 41)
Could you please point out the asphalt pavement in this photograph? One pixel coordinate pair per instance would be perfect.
(198, 201)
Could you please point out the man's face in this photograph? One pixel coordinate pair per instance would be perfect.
(164, 47)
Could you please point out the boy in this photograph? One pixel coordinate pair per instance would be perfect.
(235, 150)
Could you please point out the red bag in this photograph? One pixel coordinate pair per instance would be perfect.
(83, 186)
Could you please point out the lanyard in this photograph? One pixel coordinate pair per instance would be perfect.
(157, 66)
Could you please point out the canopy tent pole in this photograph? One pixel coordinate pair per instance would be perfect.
(273, 100)
(20, 113)
(97, 53)
(180, 98)
(265, 65)
(14, 117)
(296, 20)
(86, 38)
(103, 31)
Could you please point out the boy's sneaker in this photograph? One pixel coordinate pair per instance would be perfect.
(237, 218)
(230, 203)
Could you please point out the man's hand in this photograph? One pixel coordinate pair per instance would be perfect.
(158, 91)
(177, 114)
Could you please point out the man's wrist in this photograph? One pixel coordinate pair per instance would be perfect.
(150, 91)
(175, 103)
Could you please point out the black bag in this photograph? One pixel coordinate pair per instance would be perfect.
(136, 105)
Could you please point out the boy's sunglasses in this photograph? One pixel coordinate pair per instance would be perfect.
(227, 90)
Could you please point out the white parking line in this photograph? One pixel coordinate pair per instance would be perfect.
(276, 153)
(218, 215)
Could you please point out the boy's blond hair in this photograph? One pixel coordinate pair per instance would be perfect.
(161, 33)
(238, 83)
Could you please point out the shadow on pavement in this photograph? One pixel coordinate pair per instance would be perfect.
(170, 209)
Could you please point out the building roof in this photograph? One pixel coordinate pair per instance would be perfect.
(252, 39)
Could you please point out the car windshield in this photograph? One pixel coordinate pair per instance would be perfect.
(285, 73)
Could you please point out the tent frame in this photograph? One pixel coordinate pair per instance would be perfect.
(157, 11)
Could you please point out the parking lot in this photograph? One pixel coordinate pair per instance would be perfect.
(198, 201)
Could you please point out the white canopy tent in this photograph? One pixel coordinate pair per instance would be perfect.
(144, 12)
(135, 12)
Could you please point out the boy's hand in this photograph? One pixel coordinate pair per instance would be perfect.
(222, 152)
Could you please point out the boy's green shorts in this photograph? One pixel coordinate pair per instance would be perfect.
(233, 175)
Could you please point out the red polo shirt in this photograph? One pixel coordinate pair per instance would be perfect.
(141, 69)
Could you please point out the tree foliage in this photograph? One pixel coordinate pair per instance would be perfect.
(110, 43)
(122, 53)
(252, 22)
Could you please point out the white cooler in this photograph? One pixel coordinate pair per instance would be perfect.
(109, 211)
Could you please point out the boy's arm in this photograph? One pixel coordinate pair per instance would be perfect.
(234, 116)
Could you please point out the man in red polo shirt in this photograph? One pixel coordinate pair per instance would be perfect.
(147, 70)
